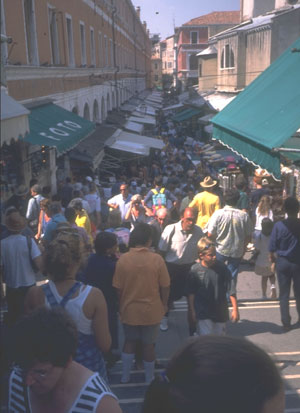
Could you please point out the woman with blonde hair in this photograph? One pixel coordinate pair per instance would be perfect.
(84, 303)
(262, 211)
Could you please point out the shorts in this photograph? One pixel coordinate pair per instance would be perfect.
(147, 334)
(206, 327)
(178, 276)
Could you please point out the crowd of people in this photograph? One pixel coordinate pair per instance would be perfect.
(125, 250)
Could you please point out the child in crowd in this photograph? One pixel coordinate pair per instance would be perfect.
(262, 264)
(262, 211)
(209, 284)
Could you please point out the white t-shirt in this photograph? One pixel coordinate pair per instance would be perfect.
(18, 271)
(262, 245)
(259, 218)
(94, 202)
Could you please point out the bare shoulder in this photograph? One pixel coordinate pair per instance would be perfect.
(108, 404)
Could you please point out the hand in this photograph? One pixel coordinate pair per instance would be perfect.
(273, 267)
(235, 316)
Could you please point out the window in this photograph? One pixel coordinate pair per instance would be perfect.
(200, 70)
(82, 44)
(155, 66)
(170, 65)
(93, 52)
(111, 53)
(193, 60)
(194, 37)
(105, 52)
(227, 57)
(53, 36)
(30, 30)
(100, 49)
(156, 78)
(70, 41)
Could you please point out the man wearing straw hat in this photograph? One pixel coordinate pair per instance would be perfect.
(206, 202)
(17, 259)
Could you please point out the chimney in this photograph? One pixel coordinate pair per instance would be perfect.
(145, 25)
(138, 12)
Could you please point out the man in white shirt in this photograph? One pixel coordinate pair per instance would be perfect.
(121, 201)
(178, 245)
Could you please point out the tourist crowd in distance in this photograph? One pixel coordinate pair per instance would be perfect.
(125, 249)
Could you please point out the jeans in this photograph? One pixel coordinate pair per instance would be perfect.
(286, 272)
(232, 264)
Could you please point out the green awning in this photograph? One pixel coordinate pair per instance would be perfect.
(186, 114)
(265, 115)
(53, 126)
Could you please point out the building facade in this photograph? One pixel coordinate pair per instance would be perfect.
(246, 50)
(85, 56)
(192, 37)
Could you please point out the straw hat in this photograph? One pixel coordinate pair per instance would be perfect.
(208, 182)
(22, 190)
(15, 222)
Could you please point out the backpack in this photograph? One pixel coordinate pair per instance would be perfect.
(159, 199)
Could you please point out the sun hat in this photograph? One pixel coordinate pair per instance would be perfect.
(22, 190)
(15, 222)
(208, 182)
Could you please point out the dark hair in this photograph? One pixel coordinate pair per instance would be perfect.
(231, 197)
(291, 205)
(215, 374)
(70, 214)
(77, 205)
(43, 336)
(158, 180)
(76, 193)
(105, 240)
(266, 226)
(141, 234)
(240, 182)
(55, 208)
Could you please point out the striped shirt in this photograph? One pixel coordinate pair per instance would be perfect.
(87, 400)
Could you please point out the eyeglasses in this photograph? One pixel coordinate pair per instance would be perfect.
(39, 373)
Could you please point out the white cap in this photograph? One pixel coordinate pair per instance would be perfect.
(88, 178)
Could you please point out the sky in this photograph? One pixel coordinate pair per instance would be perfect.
(162, 15)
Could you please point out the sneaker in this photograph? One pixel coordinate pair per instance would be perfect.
(164, 324)
(286, 327)
(273, 293)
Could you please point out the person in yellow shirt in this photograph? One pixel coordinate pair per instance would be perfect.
(82, 219)
(206, 202)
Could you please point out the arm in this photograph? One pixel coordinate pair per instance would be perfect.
(128, 213)
(148, 211)
(34, 299)
(235, 316)
(191, 309)
(164, 295)
(39, 232)
(108, 404)
(100, 320)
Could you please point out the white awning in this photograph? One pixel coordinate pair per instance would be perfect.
(134, 126)
(146, 120)
(146, 110)
(219, 100)
(133, 139)
(142, 115)
(131, 147)
(14, 119)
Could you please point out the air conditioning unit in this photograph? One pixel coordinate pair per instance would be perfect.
(292, 2)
